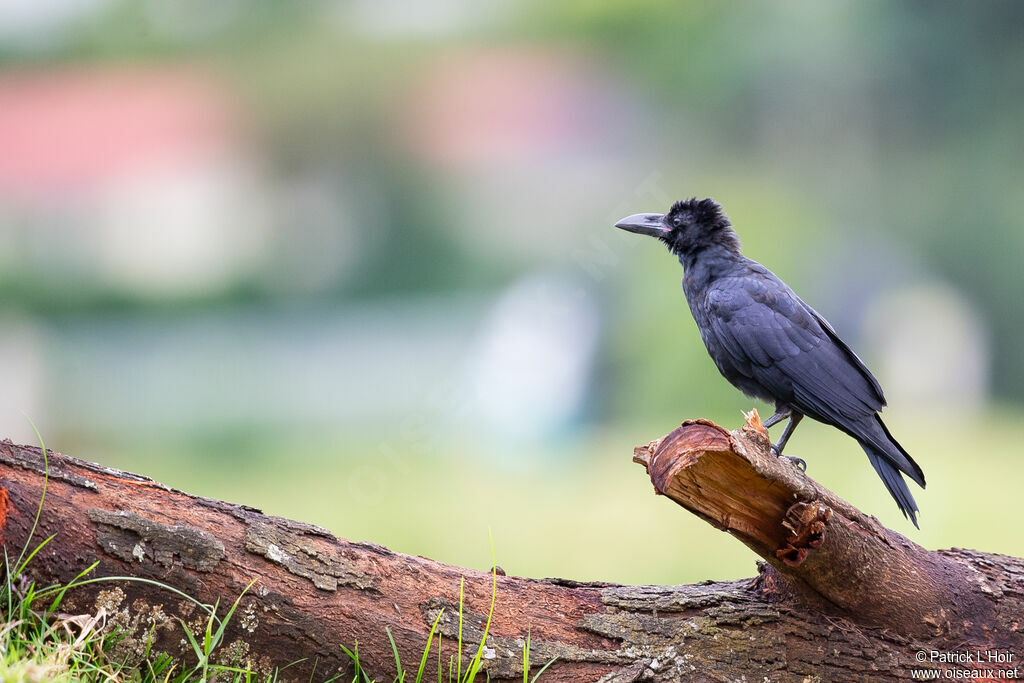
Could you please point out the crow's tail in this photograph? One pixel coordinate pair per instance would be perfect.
(874, 436)
(893, 481)
(889, 458)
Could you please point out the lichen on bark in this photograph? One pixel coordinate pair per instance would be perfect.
(302, 557)
(129, 536)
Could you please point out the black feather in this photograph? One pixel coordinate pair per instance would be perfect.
(696, 222)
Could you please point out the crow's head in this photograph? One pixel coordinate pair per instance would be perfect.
(688, 227)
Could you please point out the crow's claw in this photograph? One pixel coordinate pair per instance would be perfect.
(799, 462)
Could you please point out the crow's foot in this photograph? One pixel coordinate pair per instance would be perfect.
(799, 462)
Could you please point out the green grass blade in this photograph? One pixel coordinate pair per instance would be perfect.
(101, 579)
(219, 635)
(458, 652)
(192, 641)
(526, 658)
(398, 662)
(42, 498)
(426, 652)
(543, 669)
(440, 637)
(60, 595)
(477, 663)
(24, 563)
(354, 656)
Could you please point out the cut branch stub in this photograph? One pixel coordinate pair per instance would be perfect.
(696, 466)
(820, 545)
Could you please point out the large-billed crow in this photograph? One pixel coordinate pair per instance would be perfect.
(771, 345)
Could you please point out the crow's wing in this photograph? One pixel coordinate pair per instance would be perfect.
(781, 343)
(854, 358)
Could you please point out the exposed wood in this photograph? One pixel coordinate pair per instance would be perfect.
(843, 598)
(823, 548)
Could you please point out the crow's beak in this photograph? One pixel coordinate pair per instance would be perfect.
(644, 224)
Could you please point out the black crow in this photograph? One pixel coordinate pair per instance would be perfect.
(771, 345)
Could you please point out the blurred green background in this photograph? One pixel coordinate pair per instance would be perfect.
(353, 262)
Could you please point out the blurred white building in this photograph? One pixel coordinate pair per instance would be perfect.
(125, 178)
(933, 349)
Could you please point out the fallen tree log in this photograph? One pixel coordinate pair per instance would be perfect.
(839, 598)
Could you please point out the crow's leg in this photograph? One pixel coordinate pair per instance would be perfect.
(794, 420)
(781, 413)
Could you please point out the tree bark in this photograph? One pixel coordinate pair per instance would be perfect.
(840, 597)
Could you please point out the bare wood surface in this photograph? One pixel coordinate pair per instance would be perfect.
(823, 609)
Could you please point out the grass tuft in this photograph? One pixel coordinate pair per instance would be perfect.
(38, 642)
(455, 672)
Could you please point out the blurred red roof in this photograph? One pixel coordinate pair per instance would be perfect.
(505, 105)
(67, 129)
